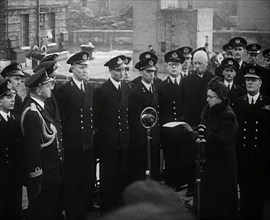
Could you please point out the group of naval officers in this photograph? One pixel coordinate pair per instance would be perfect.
(51, 140)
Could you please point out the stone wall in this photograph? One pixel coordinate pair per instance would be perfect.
(10, 24)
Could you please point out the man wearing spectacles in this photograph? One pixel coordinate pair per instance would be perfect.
(170, 110)
(112, 133)
(143, 95)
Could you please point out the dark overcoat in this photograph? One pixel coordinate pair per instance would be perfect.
(239, 78)
(171, 138)
(112, 140)
(236, 92)
(42, 160)
(193, 94)
(252, 153)
(76, 112)
(219, 178)
(10, 168)
(139, 99)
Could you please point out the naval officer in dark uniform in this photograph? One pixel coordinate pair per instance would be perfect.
(41, 151)
(14, 72)
(75, 101)
(186, 51)
(51, 104)
(252, 148)
(239, 44)
(170, 110)
(10, 155)
(147, 55)
(112, 133)
(143, 95)
(229, 67)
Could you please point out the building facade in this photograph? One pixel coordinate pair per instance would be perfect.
(28, 24)
(167, 27)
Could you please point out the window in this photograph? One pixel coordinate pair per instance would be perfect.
(50, 27)
(169, 4)
(24, 38)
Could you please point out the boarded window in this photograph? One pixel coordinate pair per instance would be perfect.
(24, 38)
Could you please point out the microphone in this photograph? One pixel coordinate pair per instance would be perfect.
(201, 131)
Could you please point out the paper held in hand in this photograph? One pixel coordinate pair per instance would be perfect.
(176, 123)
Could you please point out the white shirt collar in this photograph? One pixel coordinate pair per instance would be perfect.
(228, 83)
(115, 83)
(184, 73)
(78, 83)
(240, 63)
(148, 86)
(5, 115)
(178, 78)
(39, 102)
(255, 97)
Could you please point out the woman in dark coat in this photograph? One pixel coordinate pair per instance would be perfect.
(219, 177)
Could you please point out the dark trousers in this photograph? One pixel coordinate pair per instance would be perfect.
(79, 173)
(113, 178)
(10, 196)
(252, 196)
(47, 204)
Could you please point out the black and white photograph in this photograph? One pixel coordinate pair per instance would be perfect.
(134, 109)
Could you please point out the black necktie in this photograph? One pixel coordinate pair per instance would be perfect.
(119, 90)
(8, 118)
(229, 88)
(82, 87)
(150, 89)
(252, 101)
(175, 82)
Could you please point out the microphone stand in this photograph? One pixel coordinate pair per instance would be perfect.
(148, 167)
(199, 170)
(148, 120)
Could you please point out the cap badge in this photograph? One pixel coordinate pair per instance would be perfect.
(8, 85)
(254, 47)
(126, 61)
(252, 70)
(174, 55)
(230, 62)
(84, 57)
(186, 50)
(19, 66)
(237, 41)
(119, 61)
(147, 56)
(151, 63)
